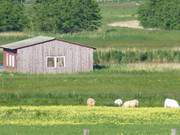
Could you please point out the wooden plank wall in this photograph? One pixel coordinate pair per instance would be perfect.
(33, 59)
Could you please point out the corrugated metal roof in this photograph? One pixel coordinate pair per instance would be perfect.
(27, 42)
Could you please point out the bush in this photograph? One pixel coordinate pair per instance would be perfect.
(66, 15)
(12, 16)
(163, 14)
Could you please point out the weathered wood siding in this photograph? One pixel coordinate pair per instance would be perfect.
(33, 59)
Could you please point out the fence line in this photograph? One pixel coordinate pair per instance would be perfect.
(173, 132)
(103, 1)
(86, 132)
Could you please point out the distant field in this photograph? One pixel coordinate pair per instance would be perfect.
(116, 37)
(112, 12)
(68, 120)
(11, 37)
(127, 38)
(150, 87)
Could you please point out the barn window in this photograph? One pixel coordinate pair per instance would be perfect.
(55, 62)
(10, 60)
(13, 61)
(50, 62)
(60, 61)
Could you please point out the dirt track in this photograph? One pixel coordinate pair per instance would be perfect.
(135, 24)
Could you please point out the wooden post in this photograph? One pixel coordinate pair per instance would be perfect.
(86, 132)
(173, 131)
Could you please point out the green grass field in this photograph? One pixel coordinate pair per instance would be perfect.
(67, 120)
(150, 87)
(100, 129)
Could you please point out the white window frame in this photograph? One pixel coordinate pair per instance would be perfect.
(63, 59)
(47, 61)
(13, 61)
(10, 60)
(55, 61)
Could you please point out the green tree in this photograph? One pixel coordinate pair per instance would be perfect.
(164, 14)
(12, 16)
(66, 15)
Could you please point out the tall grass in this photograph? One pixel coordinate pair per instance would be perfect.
(117, 56)
(8, 37)
(118, 1)
(142, 67)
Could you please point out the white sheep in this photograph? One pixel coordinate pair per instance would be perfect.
(131, 104)
(171, 103)
(118, 102)
(91, 102)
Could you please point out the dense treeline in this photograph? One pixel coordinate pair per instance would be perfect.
(12, 15)
(49, 15)
(66, 15)
(164, 14)
(115, 56)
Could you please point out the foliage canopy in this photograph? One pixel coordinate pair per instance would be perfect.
(66, 15)
(12, 17)
(163, 14)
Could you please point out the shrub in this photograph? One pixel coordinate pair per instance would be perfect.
(12, 16)
(116, 56)
(163, 14)
(65, 16)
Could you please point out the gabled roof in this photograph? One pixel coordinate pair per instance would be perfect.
(27, 42)
(35, 41)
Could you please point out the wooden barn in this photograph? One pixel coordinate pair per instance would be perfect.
(47, 55)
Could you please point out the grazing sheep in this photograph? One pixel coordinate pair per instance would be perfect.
(91, 102)
(170, 103)
(138, 4)
(131, 104)
(118, 102)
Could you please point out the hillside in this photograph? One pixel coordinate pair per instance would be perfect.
(116, 37)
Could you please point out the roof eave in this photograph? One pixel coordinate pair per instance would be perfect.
(4, 47)
(27, 45)
(83, 45)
